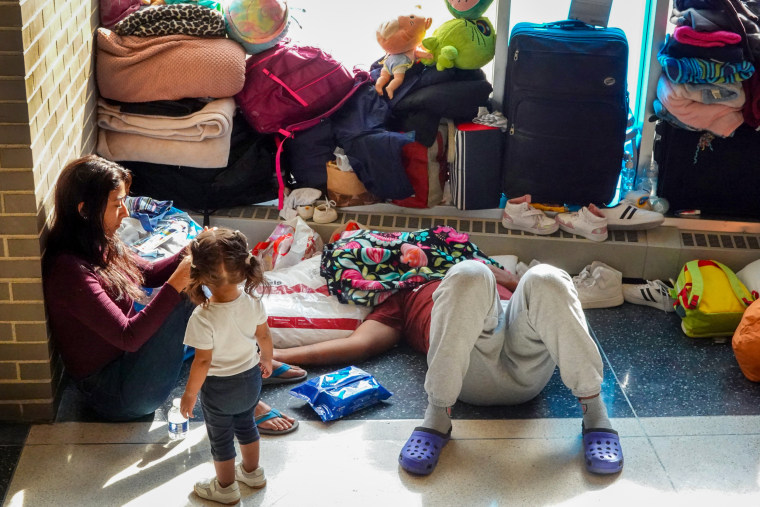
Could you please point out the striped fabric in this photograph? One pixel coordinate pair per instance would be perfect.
(697, 70)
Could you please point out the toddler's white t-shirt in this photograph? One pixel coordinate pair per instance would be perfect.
(229, 330)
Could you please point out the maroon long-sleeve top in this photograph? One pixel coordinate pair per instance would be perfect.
(90, 328)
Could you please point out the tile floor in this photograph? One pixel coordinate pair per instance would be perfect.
(688, 420)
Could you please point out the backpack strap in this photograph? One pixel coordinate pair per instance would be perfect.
(740, 291)
(693, 290)
(280, 181)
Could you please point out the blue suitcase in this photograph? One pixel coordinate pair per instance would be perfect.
(566, 102)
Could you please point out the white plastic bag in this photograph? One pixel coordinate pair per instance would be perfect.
(301, 311)
(291, 242)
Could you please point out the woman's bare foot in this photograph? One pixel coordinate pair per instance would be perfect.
(276, 423)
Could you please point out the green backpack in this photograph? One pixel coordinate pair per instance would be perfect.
(710, 299)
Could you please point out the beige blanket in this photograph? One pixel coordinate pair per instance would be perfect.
(169, 67)
(214, 120)
(209, 153)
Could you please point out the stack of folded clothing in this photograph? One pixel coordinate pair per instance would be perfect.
(166, 75)
(704, 64)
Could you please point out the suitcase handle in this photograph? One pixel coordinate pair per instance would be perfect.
(570, 24)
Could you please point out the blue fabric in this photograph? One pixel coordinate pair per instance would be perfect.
(148, 211)
(698, 70)
(137, 383)
(228, 404)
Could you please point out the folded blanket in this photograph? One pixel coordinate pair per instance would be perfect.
(687, 35)
(187, 19)
(214, 120)
(717, 118)
(210, 153)
(170, 67)
(697, 70)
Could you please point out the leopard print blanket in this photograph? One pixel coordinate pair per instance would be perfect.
(176, 19)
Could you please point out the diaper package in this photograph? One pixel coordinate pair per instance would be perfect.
(341, 392)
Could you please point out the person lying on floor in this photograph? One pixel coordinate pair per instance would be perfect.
(124, 362)
(483, 354)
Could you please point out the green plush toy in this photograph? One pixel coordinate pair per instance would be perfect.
(468, 42)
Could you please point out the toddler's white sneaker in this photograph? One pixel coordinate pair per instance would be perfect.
(211, 490)
(255, 479)
(588, 222)
(518, 214)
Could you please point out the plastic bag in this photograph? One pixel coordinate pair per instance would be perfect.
(301, 311)
(341, 392)
(291, 242)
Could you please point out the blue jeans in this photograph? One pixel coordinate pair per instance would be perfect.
(137, 383)
(228, 404)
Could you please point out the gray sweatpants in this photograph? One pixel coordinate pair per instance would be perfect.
(484, 355)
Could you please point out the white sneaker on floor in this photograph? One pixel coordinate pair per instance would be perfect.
(211, 490)
(599, 286)
(524, 217)
(583, 223)
(255, 479)
(652, 293)
(626, 215)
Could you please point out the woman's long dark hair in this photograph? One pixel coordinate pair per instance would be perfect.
(89, 180)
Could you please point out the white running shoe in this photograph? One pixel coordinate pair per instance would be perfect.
(211, 490)
(627, 215)
(652, 293)
(599, 286)
(522, 216)
(584, 223)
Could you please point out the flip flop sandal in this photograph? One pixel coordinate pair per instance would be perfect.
(423, 448)
(273, 413)
(275, 377)
(603, 452)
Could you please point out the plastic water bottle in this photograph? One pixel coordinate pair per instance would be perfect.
(178, 424)
(627, 175)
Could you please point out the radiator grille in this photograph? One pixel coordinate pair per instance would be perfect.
(702, 239)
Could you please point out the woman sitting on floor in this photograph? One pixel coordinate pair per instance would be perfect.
(124, 362)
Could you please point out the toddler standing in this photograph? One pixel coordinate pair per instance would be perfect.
(233, 351)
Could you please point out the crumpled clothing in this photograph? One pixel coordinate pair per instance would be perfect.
(298, 197)
(495, 119)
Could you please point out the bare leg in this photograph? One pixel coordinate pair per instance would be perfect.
(370, 339)
(225, 472)
(275, 423)
(250, 454)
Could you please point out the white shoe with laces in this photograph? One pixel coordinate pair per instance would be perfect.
(584, 222)
(599, 286)
(211, 490)
(627, 216)
(325, 213)
(652, 293)
(522, 216)
(255, 479)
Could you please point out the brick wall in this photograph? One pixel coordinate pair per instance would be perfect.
(47, 104)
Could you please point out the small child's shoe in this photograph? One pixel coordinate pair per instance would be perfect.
(518, 214)
(255, 479)
(325, 213)
(588, 222)
(211, 490)
(305, 212)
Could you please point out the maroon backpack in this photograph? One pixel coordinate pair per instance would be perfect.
(290, 88)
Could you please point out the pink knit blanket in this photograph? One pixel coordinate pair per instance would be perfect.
(170, 67)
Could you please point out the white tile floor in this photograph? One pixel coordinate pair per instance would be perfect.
(690, 461)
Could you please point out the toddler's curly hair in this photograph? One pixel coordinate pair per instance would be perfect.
(221, 255)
